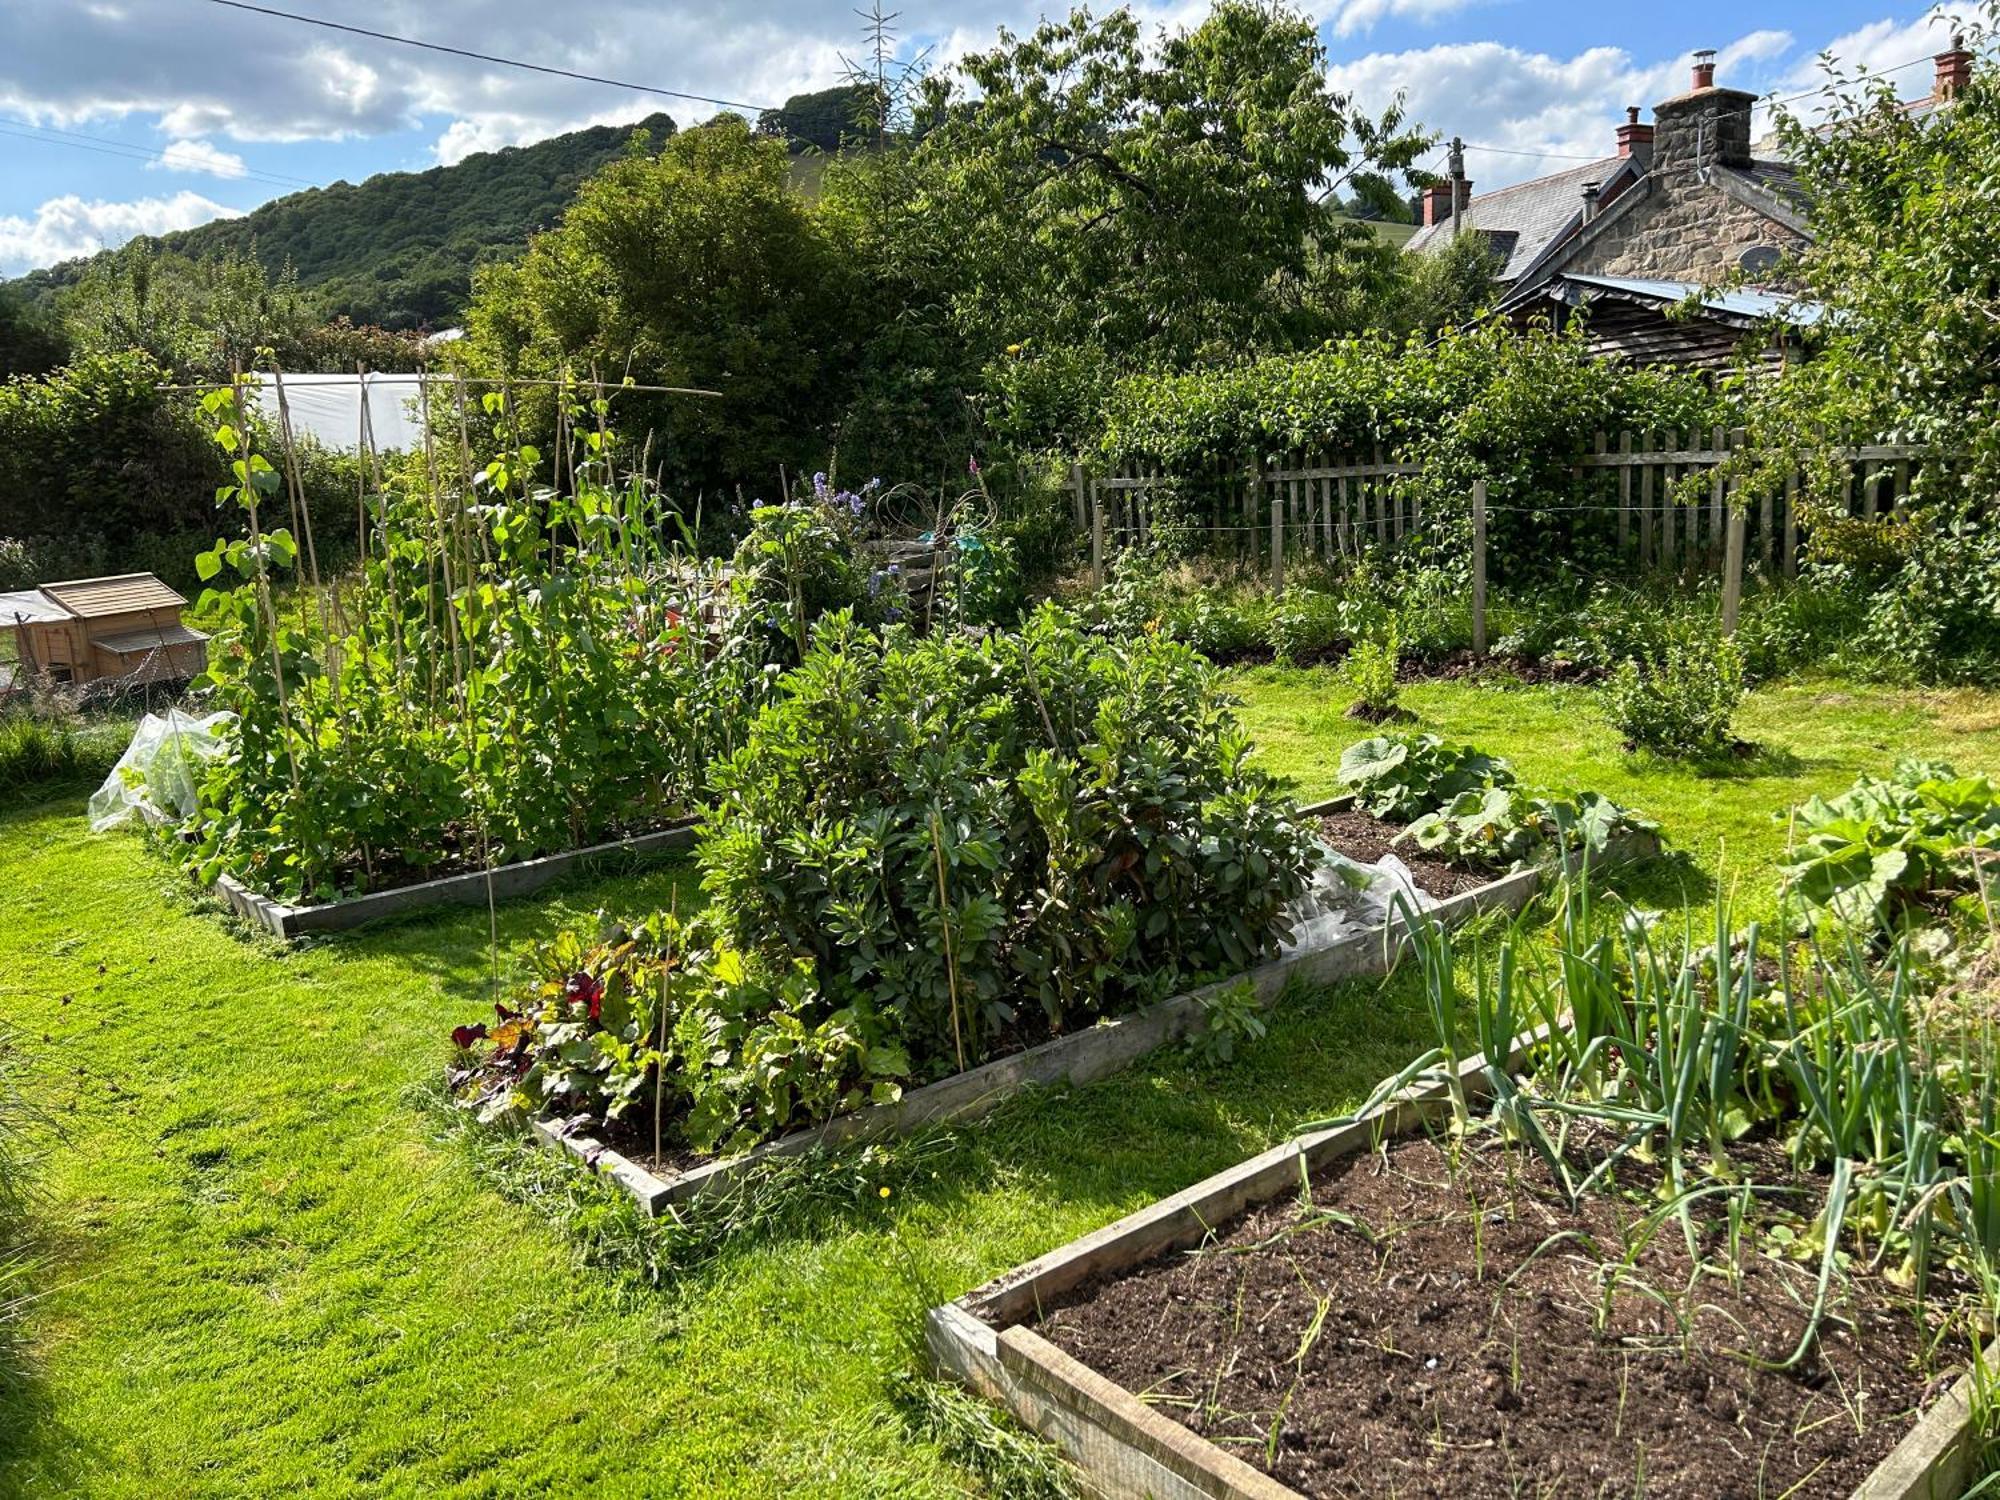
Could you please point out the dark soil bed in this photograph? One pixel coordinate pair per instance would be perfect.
(1366, 839)
(1420, 1332)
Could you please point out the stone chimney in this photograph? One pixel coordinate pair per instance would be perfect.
(1954, 71)
(1634, 138)
(1702, 129)
(1590, 199)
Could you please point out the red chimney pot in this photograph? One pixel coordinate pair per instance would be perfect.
(1704, 68)
(1954, 71)
(1632, 134)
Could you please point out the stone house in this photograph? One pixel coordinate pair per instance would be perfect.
(1684, 202)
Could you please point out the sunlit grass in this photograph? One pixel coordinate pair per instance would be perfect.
(269, 1274)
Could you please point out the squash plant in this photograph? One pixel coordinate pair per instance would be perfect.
(1402, 777)
(1872, 857)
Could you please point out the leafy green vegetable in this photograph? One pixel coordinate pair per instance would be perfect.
(1872, 856)
(1402, 777)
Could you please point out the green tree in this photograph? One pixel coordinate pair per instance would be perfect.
(1158, 205)
(697, 267)
(197, 320)
(826, 120)
(30, 340)
(1906, 267)
(1905, 261)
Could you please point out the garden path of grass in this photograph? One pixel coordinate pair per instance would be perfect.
(266, 1275)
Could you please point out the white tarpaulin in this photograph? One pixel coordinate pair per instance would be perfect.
(1346, 898)
(29, 607)
(159, 775)
(328, 408)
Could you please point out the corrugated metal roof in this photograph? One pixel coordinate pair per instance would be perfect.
(1534, 213)
(127, 593)
(131, 643)
(1738, 302)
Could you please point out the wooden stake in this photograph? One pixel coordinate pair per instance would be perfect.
(1732, 570)
(1278, 543)
(1479, 567)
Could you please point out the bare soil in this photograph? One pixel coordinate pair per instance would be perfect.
(1428, 1327)
(1363, 837)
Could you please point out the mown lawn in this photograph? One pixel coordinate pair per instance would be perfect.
(267, 1272)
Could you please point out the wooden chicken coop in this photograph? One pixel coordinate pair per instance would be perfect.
(103, 630)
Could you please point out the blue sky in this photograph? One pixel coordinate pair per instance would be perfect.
(248, 107)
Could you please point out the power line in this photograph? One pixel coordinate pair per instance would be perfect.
(1543, 155)
(487, 57)
(1859, 77)
(48, 135)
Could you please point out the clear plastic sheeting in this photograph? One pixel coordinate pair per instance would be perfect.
(159, 774)
(1346, 898)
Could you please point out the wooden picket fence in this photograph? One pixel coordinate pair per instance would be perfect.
(1337, 506)
(1639, 475)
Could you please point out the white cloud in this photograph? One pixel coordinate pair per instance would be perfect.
(1902, 50)
(1352, 16)
(213, 82)
(1530, 113)
(66, 227)
(198, 156)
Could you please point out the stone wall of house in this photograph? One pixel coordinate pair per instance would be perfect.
(1683, 230)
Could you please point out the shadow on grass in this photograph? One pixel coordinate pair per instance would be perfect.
(1098, 1151)
(1747, 763)
(1672, 882)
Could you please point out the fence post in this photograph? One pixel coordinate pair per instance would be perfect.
(1096, 539)
(1278, 543)
(1252, 499)
(1479, 567)
(1732, 570)
(1077, 495)
(1624, 492)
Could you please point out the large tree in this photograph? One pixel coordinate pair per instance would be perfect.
(196, 319)
(1906, 263)
(698, 267)
(1161, 203)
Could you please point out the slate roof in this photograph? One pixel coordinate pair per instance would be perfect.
(1529, 215)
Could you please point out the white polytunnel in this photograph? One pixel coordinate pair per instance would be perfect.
(327, 408)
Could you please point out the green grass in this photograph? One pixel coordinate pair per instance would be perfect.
(1812, 737)
(266, 1269)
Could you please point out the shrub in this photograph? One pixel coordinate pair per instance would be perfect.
(927, 848)
(1371, 671)
(1679, 703)
(1304, 625)
(1937, 617)
(1220, 627)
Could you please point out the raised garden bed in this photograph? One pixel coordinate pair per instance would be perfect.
(1425, 1397)
(472, 888)
(1077, 1058)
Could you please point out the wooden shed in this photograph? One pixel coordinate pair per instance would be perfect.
(122, 629)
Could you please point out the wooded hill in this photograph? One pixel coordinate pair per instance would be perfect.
(399, 249)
